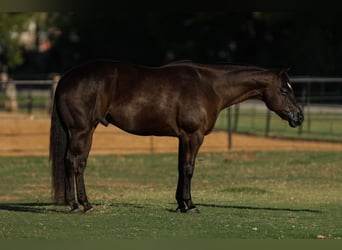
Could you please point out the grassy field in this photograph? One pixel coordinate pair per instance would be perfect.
(241, 195)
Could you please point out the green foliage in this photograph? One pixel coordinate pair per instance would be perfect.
(269, 39)
(12, 25)
(9, 46)
(241, 195)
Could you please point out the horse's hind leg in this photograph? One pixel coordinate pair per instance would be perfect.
(69, 185)
(79, 147)
(188, 149)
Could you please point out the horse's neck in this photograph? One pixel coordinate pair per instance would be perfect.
(235, 87)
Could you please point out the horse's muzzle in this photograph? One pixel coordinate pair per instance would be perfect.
(296, 119)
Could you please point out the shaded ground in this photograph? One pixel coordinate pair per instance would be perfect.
(27, 135)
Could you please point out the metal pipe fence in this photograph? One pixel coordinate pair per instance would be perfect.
(18, 95)
(321, 100)
(320, 97)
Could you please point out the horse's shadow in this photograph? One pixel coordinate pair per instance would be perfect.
(46, 207)
(31, 207)
(262, 208)
(41, 207)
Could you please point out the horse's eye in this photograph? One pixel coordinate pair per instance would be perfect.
(284, 92)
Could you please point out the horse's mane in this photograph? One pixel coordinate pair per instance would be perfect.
(180, 62)
(217, 64)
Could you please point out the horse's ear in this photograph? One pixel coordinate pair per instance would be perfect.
(284, 70)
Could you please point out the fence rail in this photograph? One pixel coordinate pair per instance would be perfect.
(10, 88)
(30, 82)
(301, 79)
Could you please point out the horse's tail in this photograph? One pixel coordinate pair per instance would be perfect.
(58, 147)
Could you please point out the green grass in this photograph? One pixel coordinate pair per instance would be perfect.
(241, 195)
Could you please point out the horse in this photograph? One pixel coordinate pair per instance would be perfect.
(180, 99)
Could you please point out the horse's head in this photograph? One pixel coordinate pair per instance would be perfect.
(279, 97)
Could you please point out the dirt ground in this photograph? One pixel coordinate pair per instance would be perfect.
(29, 135)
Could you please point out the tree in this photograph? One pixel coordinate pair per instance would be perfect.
(20, 35)
(308, 42)
(11, 25)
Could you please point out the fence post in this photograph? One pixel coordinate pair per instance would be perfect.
(229, 132)
(236, 117)
(56, 79)
(29, 100)
(303, 99)
(11, 104)
(308, 104)
(268, 121)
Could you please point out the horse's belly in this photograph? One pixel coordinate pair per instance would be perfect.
(145, 123)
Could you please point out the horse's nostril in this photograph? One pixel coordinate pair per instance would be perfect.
(300, 118)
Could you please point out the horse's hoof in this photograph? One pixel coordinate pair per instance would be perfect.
(74, 210)
(193, 210)
(180, 210)
(88, 210)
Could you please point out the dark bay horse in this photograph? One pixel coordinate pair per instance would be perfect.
(181, 99)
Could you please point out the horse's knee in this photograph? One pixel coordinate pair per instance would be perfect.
(189, 170)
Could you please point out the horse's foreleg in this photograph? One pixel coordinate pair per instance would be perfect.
(188, 149)
(180, 185)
